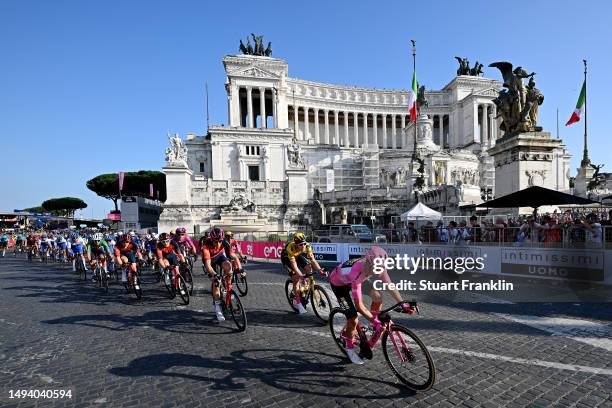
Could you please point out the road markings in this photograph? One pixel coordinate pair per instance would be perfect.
(489, 356)
(585, 331)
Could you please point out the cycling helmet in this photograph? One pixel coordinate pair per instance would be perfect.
(181, 230)
(153, 235)
(229, 234)
(98, 236)
(299, 238)
(132, 234)
(108, 238)
(119, 233)
(148, 237)
(43, 235)
(216, 234)
(375, 252)
(164, 237)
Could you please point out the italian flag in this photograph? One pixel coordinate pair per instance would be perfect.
(579, 107)
(412, 101)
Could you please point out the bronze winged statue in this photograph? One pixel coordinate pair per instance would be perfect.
(517, 104)
(421, 101)
(242, 48)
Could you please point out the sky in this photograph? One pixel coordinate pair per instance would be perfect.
(92, 87)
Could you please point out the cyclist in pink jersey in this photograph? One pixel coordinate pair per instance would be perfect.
(182, 238)
(347, 279)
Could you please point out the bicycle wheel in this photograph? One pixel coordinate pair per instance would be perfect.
(290, 295)
(241, 284)
(321, 303)
(168, 279)
(103, 279)
(136, 285)
(188, 278)
(182, 289)
(337, 321)
(408, 358)
(237, 311)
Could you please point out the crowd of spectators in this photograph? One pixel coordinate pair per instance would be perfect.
(556, 229)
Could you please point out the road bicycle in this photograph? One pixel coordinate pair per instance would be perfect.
(80, 267)
(309, 292)
(133, 281)
(101, 275)
(229, 299)
(404, 352)
(175, 283)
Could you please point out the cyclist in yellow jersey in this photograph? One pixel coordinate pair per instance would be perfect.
(295, 256)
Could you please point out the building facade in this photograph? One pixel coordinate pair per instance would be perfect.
(298, 151)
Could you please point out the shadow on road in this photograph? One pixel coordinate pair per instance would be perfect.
(284, 369)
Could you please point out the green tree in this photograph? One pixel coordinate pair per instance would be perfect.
(134, 184)
(37, 209)
(65, 206)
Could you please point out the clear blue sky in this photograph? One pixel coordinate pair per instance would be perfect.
(89, 87)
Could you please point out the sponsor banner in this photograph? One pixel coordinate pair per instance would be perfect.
(114, 217)
(325, 252)
(553, 263)
(266, 250)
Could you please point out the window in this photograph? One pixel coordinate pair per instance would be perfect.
(201, 167)
(253, 151)
(254, 173)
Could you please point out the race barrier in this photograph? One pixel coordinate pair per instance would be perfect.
(588, 264)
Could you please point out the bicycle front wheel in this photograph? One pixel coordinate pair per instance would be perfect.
(321, 303)
(136, 286)
(408, 358)
(182, 289)
(241, 284)
(103, 279)
(290, 295)
(337, 321)
(237, 311)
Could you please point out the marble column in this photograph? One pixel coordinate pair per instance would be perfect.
(404, 136)
(442, 130)
(485, 125)
(365, 129)
(375, 128)
(296, 118)
(493, 121)
(393, 132)
(274, 108)
(476, 135)
(262, 107)
(316, 126)
(249, 107)
(326, 135)
(336, 129)
(306, 124)
(384, 130)
(355, 129)
(346, 129)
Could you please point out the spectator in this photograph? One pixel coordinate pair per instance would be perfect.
(441, 233)
(593, 231)
(453, 232)
(607, 227)
(428, 232)
(411, 234)
(474, 230)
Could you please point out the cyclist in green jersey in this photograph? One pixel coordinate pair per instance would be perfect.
(99, 248)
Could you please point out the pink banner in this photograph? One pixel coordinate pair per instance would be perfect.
(268, 250)
(151, 189)
(121, 177)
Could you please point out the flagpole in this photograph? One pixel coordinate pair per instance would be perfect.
(207, 115)
(557, 123)
(585, 155)
(416, 108)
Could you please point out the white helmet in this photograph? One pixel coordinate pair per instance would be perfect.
(119, 233)
(98, 236)
(132, 233)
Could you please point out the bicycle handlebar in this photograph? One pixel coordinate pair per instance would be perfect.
(397, 307)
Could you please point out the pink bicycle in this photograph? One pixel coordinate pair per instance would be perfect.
(404, 352)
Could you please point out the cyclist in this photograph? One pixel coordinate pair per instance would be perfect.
(126, 252)
(183, 240)
(20, 241)
(98, 246)
(4, 241)
(297, 255)
(351, 278)
(214, 253)
(77, 247)
(229, 235)
(62, 245)
(167, 252)
(44, 245)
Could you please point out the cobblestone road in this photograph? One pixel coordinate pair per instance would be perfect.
(111, 350)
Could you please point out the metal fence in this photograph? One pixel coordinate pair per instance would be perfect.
(566, 236)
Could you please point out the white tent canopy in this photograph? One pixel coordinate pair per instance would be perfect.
(421, 212)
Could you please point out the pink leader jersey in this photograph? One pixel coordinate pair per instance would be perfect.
(351, 273)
